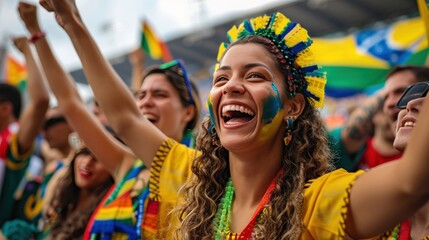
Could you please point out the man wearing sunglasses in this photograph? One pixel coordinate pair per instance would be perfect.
(353, 145)
(409, 106)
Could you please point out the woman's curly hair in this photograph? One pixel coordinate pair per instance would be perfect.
(306, 157)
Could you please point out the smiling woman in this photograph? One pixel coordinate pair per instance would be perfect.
(77, 194)
(263, 170)
(167, 91)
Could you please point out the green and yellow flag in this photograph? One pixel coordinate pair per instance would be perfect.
(361, 60)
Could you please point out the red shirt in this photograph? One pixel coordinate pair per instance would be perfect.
(372, 158)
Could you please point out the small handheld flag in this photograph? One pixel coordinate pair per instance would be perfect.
(153, 45)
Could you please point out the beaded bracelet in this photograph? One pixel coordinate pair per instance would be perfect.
(36, 36)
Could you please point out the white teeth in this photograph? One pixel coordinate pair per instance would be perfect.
(239, 108)
(409, 124)
(150, 116)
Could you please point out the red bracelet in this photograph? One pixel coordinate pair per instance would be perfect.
(36, 36)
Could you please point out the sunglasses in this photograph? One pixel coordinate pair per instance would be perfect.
(50, 122)
(418, 90)
(177, 69)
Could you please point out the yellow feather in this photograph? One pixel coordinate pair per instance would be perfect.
(280, 23)
(216, 67)
(296, 35)
(260, 22)
(233, 33)
(305, 58)
(240, 29)
(221, 51)
(316, 86)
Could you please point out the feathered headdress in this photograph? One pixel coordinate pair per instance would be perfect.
(294, 44)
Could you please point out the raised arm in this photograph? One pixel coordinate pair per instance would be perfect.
(107, 149)
(359, 125)
(137, 59)
(110, 91)
(32, 117)
(388, 194)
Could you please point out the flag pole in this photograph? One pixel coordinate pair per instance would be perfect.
(3, 51)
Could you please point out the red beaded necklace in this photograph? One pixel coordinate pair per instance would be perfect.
(404, 231)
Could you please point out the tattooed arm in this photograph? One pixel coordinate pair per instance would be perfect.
(359, 126)
(348, 143)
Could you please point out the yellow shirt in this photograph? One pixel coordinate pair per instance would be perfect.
(325, 205)
(170, 169)
(325, 198)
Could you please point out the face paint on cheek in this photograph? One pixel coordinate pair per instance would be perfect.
(271, 117)
(272, 106)
(210, 107)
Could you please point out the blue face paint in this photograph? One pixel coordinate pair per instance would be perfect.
(271, 105)
(271, 117)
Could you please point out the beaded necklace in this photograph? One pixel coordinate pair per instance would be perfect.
(222, 218)
(223, 214)
(139, 211)
(403, 231)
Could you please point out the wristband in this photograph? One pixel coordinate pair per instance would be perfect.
(36, 36)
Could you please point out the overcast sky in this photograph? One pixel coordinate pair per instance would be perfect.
(115, 23)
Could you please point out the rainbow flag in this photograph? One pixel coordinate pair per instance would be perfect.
(361, 60)
(153, 45)
(15, 72)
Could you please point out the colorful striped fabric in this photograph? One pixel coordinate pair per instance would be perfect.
(120, 216)
(117, 218)
(153, 45)
(150, 222)
(361, 60)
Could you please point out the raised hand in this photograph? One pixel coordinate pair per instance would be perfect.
(28, 14)
(65, 11)
(22, 44)
(137, 60)
(137, 57)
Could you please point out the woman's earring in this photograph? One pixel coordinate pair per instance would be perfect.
(289, 125)
(215, 138)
